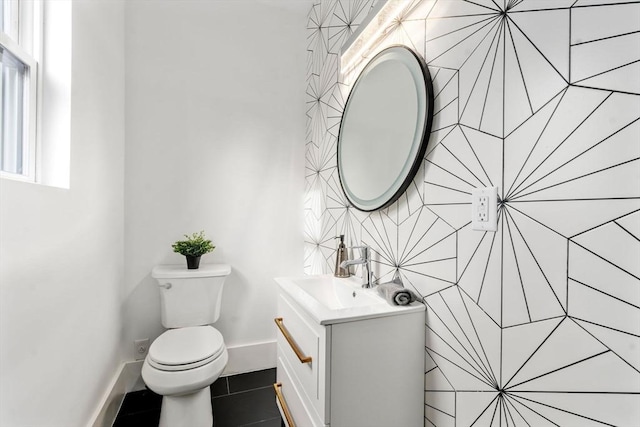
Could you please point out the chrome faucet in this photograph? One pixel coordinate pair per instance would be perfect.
(365, 261)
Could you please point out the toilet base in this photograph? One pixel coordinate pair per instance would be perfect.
(187, 410)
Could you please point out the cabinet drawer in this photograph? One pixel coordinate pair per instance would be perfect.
(310, 342)
(301, 414)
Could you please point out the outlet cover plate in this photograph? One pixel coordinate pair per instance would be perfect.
(141, 348)
(484, 209)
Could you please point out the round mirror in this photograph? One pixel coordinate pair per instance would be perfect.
(385, 128)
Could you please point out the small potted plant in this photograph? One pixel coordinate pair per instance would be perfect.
(193, 248)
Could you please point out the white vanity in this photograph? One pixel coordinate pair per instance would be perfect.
(347, 358)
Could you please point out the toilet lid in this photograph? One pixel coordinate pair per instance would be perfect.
(186, 348)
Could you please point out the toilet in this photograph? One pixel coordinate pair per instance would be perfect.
(186, 359)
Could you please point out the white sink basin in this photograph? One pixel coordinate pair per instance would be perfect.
(336, 293)
(329, 299)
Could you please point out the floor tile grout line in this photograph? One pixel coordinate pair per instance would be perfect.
(240, 392)
(260, 422)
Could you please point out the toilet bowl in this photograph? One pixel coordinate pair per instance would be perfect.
(187, 358)
(180, 366)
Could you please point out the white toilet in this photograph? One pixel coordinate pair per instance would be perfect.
(185, 360)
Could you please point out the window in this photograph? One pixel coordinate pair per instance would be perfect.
(19, 48)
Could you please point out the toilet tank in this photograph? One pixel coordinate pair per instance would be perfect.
(190, 297)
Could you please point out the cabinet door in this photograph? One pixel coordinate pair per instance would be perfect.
(377, 372)
(299, 338)
(302, 415)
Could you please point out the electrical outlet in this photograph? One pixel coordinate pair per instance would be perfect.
(141, 348)
(484, 209)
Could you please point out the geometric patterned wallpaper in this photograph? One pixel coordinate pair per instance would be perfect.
(538, 323)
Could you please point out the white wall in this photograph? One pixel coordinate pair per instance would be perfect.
(215, 120)
(61, 261)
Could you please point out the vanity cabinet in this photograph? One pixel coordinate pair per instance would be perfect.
(350, 372)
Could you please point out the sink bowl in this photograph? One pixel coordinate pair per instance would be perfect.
(336, 293)
(329, 299)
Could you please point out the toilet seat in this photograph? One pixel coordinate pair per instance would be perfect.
(186, 348)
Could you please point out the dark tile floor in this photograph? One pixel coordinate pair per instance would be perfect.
(244, 400)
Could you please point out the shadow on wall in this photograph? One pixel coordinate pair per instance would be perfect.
(141, 311)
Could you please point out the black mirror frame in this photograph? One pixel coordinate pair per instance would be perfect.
(424, 140)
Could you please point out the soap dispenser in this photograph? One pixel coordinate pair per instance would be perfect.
(341, 256)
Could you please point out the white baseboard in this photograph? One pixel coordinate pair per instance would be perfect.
(251, 357)
(126, 379)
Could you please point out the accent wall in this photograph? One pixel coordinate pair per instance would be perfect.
(537, 323)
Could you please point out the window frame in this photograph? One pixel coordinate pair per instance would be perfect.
(28, 50)
(13, 18)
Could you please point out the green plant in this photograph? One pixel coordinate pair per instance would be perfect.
(195, 245)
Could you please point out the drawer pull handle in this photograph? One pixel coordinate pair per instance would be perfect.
(292, 343)
(287, 415)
